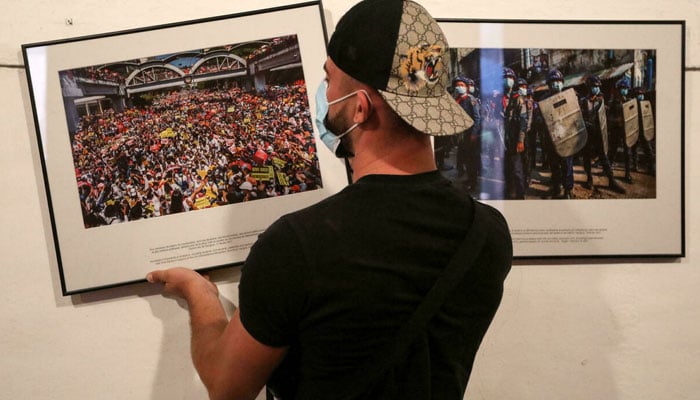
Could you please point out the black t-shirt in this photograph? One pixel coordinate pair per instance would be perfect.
(335, 281)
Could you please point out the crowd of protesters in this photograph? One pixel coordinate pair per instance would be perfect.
(276, 44)
(99, 74)
(191, 149)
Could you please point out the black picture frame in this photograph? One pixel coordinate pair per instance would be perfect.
(236, 110)
(646, 221)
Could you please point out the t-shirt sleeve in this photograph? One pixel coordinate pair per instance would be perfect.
(271, 290)
(501, 244)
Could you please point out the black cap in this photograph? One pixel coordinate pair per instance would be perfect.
(396, 47)
(365, 39)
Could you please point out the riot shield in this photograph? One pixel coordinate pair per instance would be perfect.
(603, 120)
(647, 120)
(631, 114)
(564, 120)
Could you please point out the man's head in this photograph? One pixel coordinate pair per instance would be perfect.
(555, 80)
(509, 78)
(522, 86)
(593, 83)
(398, 51)
(463, 85)
(623, 87)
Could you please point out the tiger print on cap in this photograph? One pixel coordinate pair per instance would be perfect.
(417, 87)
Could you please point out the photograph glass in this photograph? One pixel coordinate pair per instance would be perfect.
(579, 133)
(589, 113)
(179, 144)
(187, 131)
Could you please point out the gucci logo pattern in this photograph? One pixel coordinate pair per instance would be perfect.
(427, 107)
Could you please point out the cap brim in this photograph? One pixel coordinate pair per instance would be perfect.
(436, 116)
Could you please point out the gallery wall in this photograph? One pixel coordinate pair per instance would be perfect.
(614, 329)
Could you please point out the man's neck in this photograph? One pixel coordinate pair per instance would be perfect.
(403, 156)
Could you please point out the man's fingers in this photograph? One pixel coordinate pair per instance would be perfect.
(155, 276)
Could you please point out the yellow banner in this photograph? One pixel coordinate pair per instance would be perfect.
(202, 202)
(168, 133)
(282, 179)
(278, 162)
(263, 173)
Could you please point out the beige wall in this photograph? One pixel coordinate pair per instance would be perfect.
(627, 330)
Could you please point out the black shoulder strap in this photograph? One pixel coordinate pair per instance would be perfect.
(463, 260)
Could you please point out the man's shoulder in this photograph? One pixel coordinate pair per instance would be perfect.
(493, 224)
(316, 210)
(491, 215)
(498, 238)
(310, 218)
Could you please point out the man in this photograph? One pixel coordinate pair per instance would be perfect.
(591, 105)
(468, 144)
(497, 106)
(647, 149)
(325, 290)
(531, 138)
(516, 121)
(616, 124)
(562, 167)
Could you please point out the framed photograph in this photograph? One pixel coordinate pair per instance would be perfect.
(579, 133)
(178, 144)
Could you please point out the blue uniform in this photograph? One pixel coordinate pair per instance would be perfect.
(469, 145)
(590, 107)
(516, 123)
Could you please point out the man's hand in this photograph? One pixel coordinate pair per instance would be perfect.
(232, 364)
(182, 282)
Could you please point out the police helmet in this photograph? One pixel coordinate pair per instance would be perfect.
(508, 73)
(593, 80)
(622, 84)
(554, 75)
(465, 80)
(521, 82)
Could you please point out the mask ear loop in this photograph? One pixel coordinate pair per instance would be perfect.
(355, 125)
(338, 100)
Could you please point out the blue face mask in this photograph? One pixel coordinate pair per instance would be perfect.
(461, 90)
(557, 86)
(624, 92)
(640, 97)
(330, 138)
(595, 90)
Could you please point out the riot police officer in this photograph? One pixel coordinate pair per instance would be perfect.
(562, 167)
(591, 105)
(616, 125)
(642, 143)
(492, 137)
(532, 135)
(468, 143)
(516, 122)
(525, 93)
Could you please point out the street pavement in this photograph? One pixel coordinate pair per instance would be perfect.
(491, 183)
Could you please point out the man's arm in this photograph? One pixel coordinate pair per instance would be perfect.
(231, 363)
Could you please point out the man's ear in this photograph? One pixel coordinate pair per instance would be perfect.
(363, 107)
